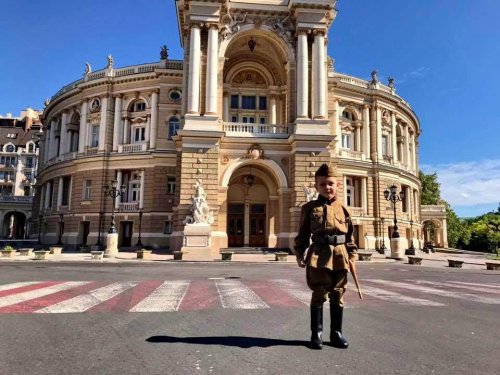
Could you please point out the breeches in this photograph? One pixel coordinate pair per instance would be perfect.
(326, 283)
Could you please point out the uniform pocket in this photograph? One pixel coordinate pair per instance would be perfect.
(340, 223)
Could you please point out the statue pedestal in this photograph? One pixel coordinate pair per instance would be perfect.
(111, 245)
(398, 246)
(196, 242)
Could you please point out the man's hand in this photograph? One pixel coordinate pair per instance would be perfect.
(300, 263)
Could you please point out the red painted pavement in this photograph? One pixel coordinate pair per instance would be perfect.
(35, 304)
(129, 298)
(201, 295)
(29, 288)
(272, 294)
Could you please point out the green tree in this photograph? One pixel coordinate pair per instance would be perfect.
(431, 190)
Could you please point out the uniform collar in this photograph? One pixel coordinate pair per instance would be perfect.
(321, 199)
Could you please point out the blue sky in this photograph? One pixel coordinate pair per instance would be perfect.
(444, 54)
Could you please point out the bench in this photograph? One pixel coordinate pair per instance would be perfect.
(40, 254)
(493, 266)
(143, 254)
(454, 263)
(226, 255)
(415, 260)
(280, 256)
(364, 257)
(96, 254)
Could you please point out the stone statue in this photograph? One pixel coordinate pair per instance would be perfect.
(110, 62)
(46, 102)
(88, 68)
(391, 82)
(310, 193)
(374, 77)
(231, 25)
(330, 62)
(199, 208)
(164, 53)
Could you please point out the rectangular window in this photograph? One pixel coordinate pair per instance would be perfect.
(248, 102)
(346, 141)
(66, 191)
(173, 127)
(29, 162)
(51, 193)
(27, 175)
(167, 227)
(234, 101)
(87, 190)
(135, 192)
(404, 202)
(170, 184)
(262, 102)
(262, 120)
(139, 134)
(234, 118)
(95, 136)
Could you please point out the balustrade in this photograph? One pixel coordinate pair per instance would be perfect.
(256, 130)
(129, 206)
(132, 147)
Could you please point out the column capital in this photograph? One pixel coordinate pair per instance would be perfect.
(212, 25)
(366, 106)
(196, 25)
(118, 96)
(320, 32)
(302, 30)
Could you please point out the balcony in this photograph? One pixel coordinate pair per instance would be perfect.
(129, 206)
(16, 199)
(236, 129)
(357, 211)
(133, 147)
(350, 154)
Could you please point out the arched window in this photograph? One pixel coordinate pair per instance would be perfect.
(10, 148)
(31, 148)
(173, 126)
(347, 115)
(139, 106)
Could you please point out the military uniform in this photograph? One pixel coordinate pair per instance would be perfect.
(328, 225)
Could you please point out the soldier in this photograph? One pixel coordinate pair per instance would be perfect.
(327, 260)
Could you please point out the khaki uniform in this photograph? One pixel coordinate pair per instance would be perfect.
(327, 265)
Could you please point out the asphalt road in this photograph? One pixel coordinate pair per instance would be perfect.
(234, 318)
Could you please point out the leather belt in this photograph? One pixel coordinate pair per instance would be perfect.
(326, 239)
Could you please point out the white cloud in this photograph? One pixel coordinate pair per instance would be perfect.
(468, 183)
(417, 73)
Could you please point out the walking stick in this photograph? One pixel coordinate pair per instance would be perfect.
(352, 268)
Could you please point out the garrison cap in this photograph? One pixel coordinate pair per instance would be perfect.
(325, 170)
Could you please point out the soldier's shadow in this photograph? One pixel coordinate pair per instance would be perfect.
(239, 341)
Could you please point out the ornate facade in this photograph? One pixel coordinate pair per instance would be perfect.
(249, 114)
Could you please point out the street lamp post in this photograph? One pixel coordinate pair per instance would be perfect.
(411, 249)
(101, 217)
(40, 221)
(112, 238)
(382, 247)
(392, 195)
(139, 242)
(61, 228)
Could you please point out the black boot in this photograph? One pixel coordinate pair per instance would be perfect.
(316, 327)
(336, 338)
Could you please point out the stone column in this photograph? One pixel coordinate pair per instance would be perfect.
(154, 120)
(63, 144)
(357, 132)
(48, 139)
(302, 75)
(320, 75)
(102, 124)
(379, 133)
(225, 109)
(148, 129)
(60, 192)
(212, 68)
(364, 204)
(82, 136)
(48, 189)
(126, 131)
(394, 137)
(272, 109)
(336, 124)
(366, 130)
(194, 71)
(141, 196)
(119, 181)
(407, 145)
(117, 122)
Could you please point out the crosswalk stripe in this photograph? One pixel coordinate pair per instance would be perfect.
(88, 300)
(167, 297)
(294, 289)
(200, 295)
(272, 294)
(387, 295)
(235, 295)
(492, 286)
(438, 292)
(17, 285)
(467, 287)
(25, 296)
